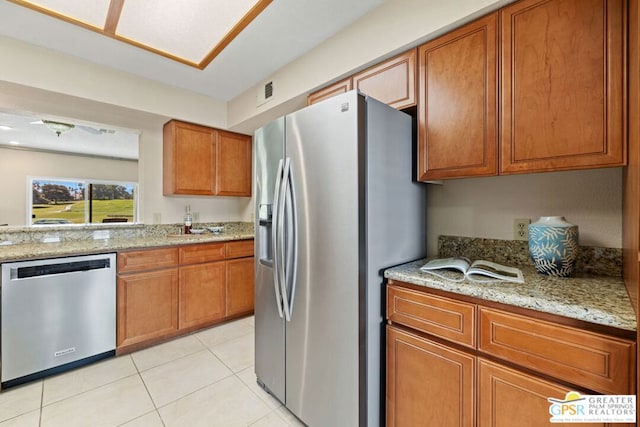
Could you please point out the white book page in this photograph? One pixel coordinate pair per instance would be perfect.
(497, 271)
(461, 264)
(436, 267)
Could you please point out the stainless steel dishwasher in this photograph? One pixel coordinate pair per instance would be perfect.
(56, 314)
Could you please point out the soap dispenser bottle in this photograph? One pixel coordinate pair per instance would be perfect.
(188, 219)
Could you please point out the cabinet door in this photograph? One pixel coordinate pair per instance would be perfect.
(562, 99)
(188, 159)
(202, 294)
(327, 92)
(457, 116)
(392, 82)
(147, 306)
(240, 286)
(233, 171)
(428, 384)
(510, 398)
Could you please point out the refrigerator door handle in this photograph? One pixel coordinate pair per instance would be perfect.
(285, 246)
(292, 243)
(276, 223)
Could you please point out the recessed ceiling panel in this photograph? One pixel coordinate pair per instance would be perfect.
(91, 12)
(189, 29)
(281, 31)
(192, 32)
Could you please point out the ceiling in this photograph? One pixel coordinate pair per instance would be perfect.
(193, 32)
(28, 132)
(282, 32)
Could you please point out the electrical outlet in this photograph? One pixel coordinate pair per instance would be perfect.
(196, 217)
(157, 218)
(101, 234)
(521, 228)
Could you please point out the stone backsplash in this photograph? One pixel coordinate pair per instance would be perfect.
(591, 260)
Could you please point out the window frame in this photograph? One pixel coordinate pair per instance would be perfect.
(86, 183)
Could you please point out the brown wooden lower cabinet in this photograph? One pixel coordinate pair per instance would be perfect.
(507, 397)
(437, 378)
(147, 306)
(240, 286)
(428, 384)
(202, 294)
(166, 292)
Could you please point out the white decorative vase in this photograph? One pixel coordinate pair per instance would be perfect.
(553, 245)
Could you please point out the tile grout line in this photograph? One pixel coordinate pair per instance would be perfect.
(139, 373)
(144, 384)
(41, 404)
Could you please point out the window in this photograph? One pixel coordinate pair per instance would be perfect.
(81, 201)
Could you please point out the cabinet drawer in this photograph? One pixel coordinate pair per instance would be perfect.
(193, 254)
(438, 316)
(594, 361)
(240, 248)
(148, 259)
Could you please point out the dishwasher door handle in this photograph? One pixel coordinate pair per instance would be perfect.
(27, 272)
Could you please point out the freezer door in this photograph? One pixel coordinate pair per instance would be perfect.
(325, 146)
(269, 323)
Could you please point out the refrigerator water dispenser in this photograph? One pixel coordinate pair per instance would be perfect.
(265, 232)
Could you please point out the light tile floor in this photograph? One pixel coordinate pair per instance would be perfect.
(203, 379)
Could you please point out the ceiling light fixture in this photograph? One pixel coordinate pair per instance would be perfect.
(5, 127)
(58, 127)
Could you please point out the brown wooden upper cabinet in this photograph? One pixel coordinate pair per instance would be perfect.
(560, 94)
(233, 171)
(392, 82)
(329, 91)
(198, 160)
(562, 87)
(457, 115)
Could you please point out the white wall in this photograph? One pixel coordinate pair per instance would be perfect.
(17, 165)
(41, 81)
(480, 207)
(486, 207)
(36, 67)
(387, 30)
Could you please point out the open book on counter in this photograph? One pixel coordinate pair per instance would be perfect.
(477, 271)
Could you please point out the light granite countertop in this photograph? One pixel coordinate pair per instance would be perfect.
(88, 245)
(596, 299)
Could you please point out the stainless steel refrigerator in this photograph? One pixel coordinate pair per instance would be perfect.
(335, 205)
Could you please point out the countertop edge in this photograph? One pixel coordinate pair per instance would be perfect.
(568, 298)
(30, 251)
